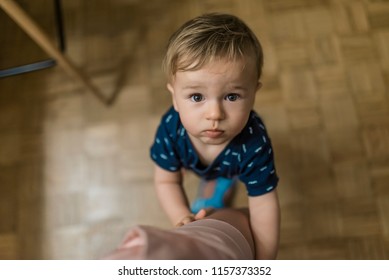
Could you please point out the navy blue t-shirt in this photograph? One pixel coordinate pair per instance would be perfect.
(249, 155)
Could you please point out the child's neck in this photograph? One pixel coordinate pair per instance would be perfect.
(207, 153)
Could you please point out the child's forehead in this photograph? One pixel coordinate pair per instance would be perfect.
(217, 64)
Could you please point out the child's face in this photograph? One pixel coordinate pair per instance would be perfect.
(214, 102)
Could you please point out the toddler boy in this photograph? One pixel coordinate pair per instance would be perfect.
(213, 66)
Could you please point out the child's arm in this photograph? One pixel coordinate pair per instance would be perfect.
(171, 195)
(265, 224)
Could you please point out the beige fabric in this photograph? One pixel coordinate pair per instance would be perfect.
(203, 239)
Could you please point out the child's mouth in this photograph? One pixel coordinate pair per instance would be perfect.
(213, 133)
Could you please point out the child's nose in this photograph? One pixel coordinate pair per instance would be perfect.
(215, 111)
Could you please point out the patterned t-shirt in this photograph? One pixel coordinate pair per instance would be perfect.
(249, 155)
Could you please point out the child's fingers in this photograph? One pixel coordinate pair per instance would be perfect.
(186, 220)
(199, 215)
(180, 224)
(203, 213)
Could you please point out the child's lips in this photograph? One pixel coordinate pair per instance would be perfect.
(213, 133)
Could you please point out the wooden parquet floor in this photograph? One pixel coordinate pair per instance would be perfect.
(74, 173)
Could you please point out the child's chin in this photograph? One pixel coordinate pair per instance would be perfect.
(214, 141)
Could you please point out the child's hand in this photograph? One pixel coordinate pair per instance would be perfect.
(192, 217)
(186, 220)
(203, 213)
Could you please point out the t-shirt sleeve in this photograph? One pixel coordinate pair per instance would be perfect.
(258, 168)
(163, 151)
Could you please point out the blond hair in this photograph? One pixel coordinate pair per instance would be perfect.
(207, 37)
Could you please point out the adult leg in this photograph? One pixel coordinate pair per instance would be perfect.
(224, 234)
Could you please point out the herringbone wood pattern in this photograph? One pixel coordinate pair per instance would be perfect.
(74, 174)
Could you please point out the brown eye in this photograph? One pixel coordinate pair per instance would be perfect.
(232, 97)
(197, 97)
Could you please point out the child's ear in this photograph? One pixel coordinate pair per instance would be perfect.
(259, 85)
(171, 90)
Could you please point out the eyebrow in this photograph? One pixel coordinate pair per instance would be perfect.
(193, 87)
(238, 87)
